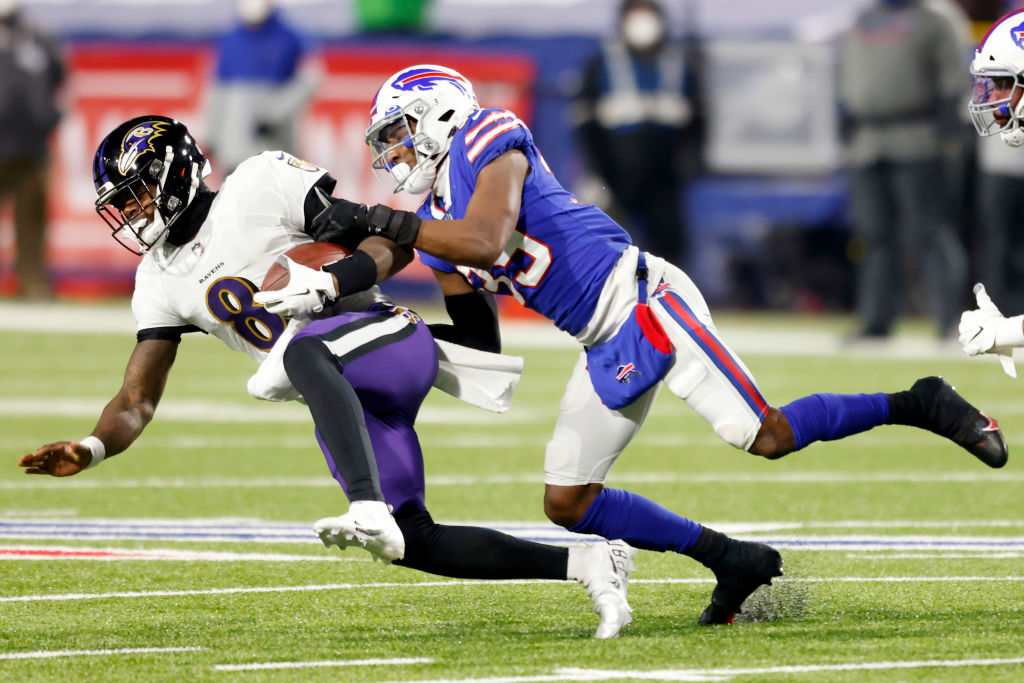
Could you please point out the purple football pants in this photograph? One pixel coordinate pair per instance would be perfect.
(391, 367)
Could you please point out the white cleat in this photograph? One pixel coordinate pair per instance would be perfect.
(606, 570)
(367, 524)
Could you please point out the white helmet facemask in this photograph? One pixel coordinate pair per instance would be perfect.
(404, 131)
(992, 109)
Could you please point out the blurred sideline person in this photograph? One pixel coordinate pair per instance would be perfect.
(363, 368)
(997, 109)
(900, 87)
(31, 73)
(638, 121)
(496, 220)
(265, 76)
(999, 256)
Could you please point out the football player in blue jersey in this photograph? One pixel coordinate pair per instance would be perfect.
(497, 221)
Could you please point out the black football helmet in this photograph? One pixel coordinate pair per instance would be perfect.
(146, 171)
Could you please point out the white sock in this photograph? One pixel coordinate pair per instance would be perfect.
(574, 567)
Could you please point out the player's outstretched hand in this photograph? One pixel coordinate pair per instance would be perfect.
(61, 459)
(986, 330)
(306, 292)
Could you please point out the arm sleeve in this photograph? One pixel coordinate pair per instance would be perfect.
(474, 322)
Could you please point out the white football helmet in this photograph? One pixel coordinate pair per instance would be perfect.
(422, 106)
(997, 105)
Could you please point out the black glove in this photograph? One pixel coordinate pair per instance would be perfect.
(341, 222)
(401, 227)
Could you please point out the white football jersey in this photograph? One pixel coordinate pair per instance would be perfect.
(255, 217)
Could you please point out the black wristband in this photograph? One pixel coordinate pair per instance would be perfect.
(356, 273)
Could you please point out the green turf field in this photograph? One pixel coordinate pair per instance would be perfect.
(903, 553)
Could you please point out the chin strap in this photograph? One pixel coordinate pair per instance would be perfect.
(1014, 134)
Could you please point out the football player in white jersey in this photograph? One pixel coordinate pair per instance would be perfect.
(363, 367)
(495, 219)
(997, 108)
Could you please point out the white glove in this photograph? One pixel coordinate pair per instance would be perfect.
(985, 330)
(306, 292)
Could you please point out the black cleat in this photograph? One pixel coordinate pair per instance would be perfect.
(742, 568)
(947, 414)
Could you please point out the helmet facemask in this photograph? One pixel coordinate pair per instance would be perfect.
(402, 131)
(125, 207)
(995, 89)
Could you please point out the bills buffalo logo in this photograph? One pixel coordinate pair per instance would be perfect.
(425, 79)
(625, 373)
(1017, 34)
(138, 141)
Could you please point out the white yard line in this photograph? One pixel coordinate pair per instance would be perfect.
(50, 552)
(582, 674)
(63, 597)
(87, 481)
(308, 665)
(787, 535)
(936, 555)
(45, 654)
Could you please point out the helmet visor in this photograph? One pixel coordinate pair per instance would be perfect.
(993, 100)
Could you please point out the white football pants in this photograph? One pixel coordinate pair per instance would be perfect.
(705, 373)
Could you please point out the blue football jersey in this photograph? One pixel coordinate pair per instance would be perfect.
(557, 260)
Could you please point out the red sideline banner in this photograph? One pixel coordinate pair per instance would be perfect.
(109, 83)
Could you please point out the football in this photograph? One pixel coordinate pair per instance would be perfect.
(312, 255)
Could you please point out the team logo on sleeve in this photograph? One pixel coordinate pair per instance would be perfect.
(138, 141)
(301, 164)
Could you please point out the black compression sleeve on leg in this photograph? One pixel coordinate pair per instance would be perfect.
(356, 273)
(469, 552)
(337, 413)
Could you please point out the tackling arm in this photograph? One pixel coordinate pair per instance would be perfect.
(478, 239)
(123, 418)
